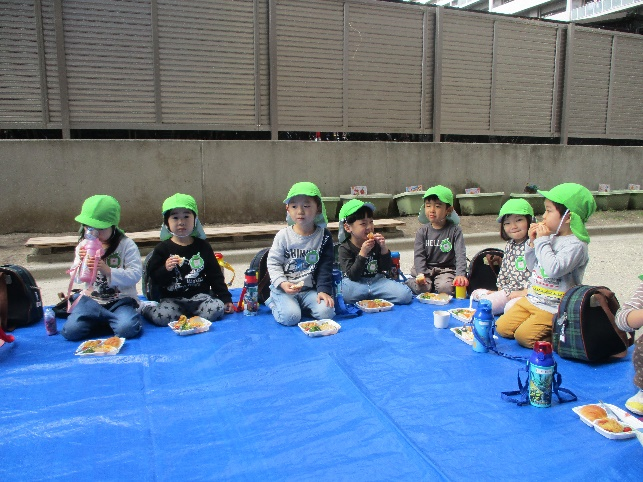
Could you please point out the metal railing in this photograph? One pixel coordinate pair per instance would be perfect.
(602, 7)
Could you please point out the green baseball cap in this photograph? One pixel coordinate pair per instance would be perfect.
(445, 195)
(100, 211)
(515, 206)
(579, 201)
(347, 209)
(311, 190)
(185, 201)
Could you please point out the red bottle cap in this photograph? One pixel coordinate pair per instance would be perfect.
(543, 347)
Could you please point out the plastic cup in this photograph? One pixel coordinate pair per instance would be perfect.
(461, 292)
(441, 319)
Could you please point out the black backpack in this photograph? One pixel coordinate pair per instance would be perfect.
(480, 273)
(20, 298)
(260, 264)
(150, 291)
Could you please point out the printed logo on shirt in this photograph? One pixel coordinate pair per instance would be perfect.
(196, 262)
(539, 290)
(543, 275)
(520, 263)
(113, 260)
(446, 246)
(371, 266)
(312, 257)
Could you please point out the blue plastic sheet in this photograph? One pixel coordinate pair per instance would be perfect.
(389, 397)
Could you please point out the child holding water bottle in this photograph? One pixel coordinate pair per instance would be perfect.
(515, 217)
(111, 301)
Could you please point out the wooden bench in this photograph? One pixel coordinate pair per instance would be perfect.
(225, 237)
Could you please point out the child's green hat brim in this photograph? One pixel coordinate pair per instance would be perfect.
(579, 201)
(641, 277)
(515, 206)
(311, 190)
(182, 201)
(347, 209)
(443, 193)
(100, 211)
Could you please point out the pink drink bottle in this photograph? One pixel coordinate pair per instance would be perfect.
(94, 249)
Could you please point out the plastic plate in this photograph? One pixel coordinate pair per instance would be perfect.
(305, 326)
(97, 348)
(465, 315)
(434, 298)
(382, 305)
(191, 331)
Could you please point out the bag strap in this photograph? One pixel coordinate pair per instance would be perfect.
(4, 310)
(556, 387)
(603, 298)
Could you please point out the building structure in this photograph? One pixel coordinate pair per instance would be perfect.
(614, 13)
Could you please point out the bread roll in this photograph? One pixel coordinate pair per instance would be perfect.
(593, 412)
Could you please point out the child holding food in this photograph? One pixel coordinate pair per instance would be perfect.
(440, 259)
(515, 217)
(557, 255)
(628, 318)
(364, 257)
(111, 300)
(185, 269)
(300, 261)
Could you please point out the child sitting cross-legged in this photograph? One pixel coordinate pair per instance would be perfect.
(515, 217)
(300, 261)
(364, 257)
(440, 258)
(557, 255)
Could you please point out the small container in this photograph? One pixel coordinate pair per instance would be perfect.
(394, 273)
(482, 321)
(251, 298)
(541, 374)
(50, 322)
(441, 319)
(460, 292)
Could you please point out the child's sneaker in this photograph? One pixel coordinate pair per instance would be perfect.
(635, 404)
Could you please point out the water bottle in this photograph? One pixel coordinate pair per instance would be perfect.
(482, 320)
(541, 374)
(251, 296)
(93, 249)
(50, 322)
(337, 282)
(394, 274)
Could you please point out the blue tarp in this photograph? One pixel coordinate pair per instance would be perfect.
(389, 397)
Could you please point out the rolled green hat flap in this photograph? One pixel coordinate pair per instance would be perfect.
(515, 206)
(100, 211)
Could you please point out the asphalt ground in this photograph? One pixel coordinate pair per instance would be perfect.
(615, 251)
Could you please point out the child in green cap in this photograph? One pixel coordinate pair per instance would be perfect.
(364, 258)
(300, 261)
(629, 318)
(515, 217)
(185, 269)
(112, 299)
(557, 255)
(440, 258)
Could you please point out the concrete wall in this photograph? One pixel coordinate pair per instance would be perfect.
(43, 183)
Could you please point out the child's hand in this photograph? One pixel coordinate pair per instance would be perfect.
(532, 232)
(379, 239)
(229, 308)
(173, 261)
(460, 281)
(290, 287)
(330, 302)
(367, 247)
(542, 230)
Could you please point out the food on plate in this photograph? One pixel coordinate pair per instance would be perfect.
(463, 313)
(109, 346)
(464, 332)
(592, 412)
(183, 323)
(370, 236)
(434, 296)
(319, 327)
(420, 279)
(375, 303)
(611, 425)
(326, 326)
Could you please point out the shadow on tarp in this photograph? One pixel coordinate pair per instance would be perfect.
(389, 397)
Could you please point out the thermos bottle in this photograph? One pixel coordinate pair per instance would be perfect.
(251, 296)
(482, 320)
(541, 374)
(94, 249)
(395, 269)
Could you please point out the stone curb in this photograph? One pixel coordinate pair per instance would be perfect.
(234, 256)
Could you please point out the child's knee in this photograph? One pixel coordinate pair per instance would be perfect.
(130, 329)
(504, 328)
